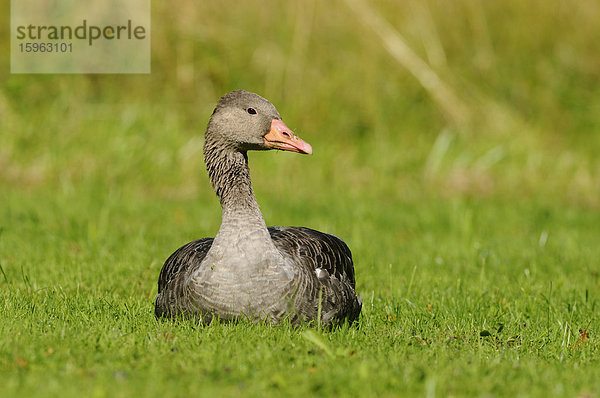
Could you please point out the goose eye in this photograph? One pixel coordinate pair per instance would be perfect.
(252, 111)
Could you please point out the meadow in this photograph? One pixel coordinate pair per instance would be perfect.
(455, 151)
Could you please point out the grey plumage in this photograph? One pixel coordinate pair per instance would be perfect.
(249, 270)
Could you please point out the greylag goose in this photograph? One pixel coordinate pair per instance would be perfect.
(248, 270)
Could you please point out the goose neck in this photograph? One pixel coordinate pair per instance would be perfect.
(230, 176)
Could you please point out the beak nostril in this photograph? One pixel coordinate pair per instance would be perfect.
(286, 134)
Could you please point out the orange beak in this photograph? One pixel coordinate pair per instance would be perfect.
(282, 138)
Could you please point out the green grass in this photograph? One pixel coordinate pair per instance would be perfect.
(476, 242)
(77, 306)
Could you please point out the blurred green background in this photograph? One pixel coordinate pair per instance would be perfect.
(525, 75)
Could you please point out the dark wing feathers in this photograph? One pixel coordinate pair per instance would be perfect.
(186, 256)
(308, 249)
(314, 248)
(317, 249)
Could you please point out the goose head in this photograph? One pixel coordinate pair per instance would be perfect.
(244, 121)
